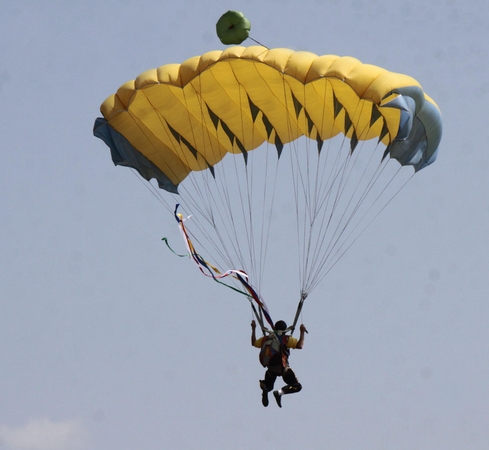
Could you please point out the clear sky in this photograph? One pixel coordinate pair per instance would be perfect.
(110, 342)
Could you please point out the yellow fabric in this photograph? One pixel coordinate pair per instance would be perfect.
(291, 342)
(187, 117)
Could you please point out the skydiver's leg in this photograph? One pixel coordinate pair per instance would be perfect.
(292, 385)
(269, 380)
(266, 386)
(292, 382)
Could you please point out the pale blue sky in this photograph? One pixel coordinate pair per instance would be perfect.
(109, 342)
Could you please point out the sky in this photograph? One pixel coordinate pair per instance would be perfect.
(108, 341)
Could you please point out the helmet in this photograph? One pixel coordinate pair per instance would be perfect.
(280, 325)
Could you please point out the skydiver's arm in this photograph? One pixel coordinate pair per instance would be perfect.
(300, 342)
(253, 334)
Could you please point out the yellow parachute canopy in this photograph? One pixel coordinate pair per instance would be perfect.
(193, 126)
(187, 117)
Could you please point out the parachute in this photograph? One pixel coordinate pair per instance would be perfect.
(248, 138)
(233, 28)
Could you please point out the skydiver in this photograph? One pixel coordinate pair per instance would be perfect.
(278, 366)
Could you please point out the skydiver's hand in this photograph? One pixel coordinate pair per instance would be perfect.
(303, 328)
(253, 324)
